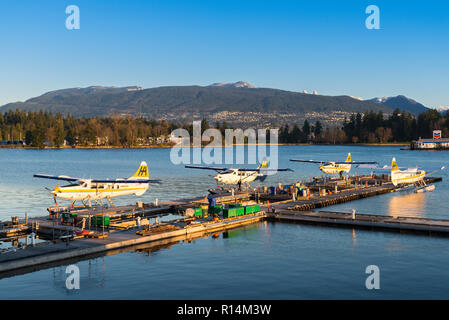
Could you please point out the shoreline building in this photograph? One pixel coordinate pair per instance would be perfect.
(436, 142)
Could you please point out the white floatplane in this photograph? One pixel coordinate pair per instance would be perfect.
(239, 175)
(407, 176)
(335, 167)
(88, 190)
(410, 177)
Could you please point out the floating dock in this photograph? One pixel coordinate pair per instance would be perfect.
(138, 226)
(336, 198)
(45, 253)
(364, 221)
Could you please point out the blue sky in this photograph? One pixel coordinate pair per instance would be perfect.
(291, 45)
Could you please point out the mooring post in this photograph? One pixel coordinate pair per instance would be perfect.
(353, 214)
(33, 239)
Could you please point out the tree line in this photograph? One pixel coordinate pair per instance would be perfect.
(40, 129)
(370, 127)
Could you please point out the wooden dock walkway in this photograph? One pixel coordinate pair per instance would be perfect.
(123, 212)
(370, 221)
(49, 252)
(335, 198)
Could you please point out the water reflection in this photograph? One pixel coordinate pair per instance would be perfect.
(407, 204)
(354, 237)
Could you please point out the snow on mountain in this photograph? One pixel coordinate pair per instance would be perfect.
(238, 84)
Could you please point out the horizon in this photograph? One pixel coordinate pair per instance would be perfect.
(288, 45)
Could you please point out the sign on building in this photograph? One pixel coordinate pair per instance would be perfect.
(437, 134)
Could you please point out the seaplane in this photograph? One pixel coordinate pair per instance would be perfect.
(407, 178)
(88, 190)
(240, 175)
(410, 177)
(336, 167)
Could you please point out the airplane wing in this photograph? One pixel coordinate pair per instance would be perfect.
(238, 169)
(126, 181)
(335, 162)
(47, 176)
(265, 169)
(375, 167)
(308, 161)
(356, 162)
(206, 168)
(368, 166)
(72, 179)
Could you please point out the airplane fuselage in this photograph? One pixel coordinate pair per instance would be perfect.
(235, 176)
(407, 176)
(335, 167)
(96, 191)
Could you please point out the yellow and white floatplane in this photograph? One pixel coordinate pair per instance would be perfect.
(335, 167)
(88, 190)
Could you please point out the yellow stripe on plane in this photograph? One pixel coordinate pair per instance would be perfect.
(101, 190)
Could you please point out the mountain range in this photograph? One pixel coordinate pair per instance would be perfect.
(238, 102)
(402, 103)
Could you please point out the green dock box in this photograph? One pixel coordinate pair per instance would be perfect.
(229, 212)
(234, 205)
(98, 220)
(240, 211)
(68, 217)
(198, 212)
(216, 209)
(252, 209)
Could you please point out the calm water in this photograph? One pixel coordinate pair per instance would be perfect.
(271, 261)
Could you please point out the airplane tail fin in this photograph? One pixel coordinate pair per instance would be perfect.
(263, 164)
(142, 172)
(394, 165)
(394, 171)
(348, 159)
